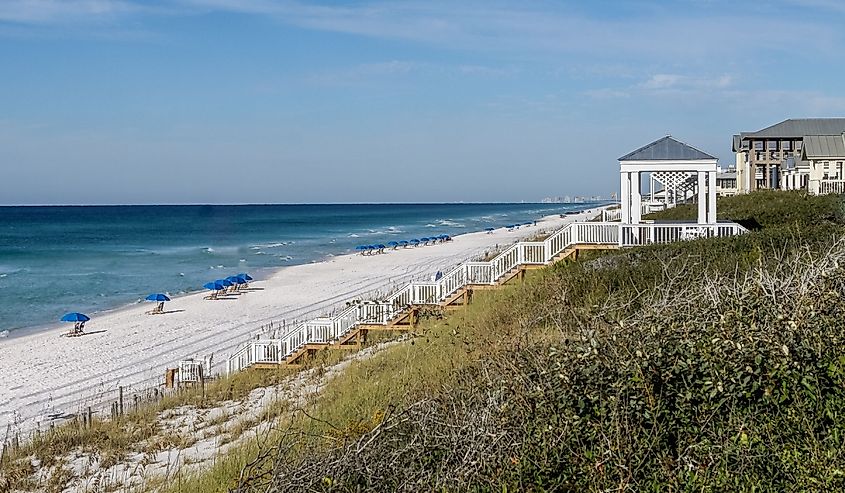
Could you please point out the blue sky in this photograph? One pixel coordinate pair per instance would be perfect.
(231, 101)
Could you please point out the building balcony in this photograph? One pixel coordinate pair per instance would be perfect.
(831, 186)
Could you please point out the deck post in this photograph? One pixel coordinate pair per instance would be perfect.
(702, 199)
(636, 198)
(625, 197)
(711, 202)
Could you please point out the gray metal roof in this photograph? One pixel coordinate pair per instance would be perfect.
(799, 127)
(666, 149)
(822, 146)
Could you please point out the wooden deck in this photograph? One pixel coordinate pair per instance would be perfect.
(356, 338)
(400, 310)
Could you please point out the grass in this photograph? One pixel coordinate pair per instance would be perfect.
(136, 430)
(359, 398)
(556, 383)
(706, 365)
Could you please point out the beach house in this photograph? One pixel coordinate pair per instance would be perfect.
(777, 157)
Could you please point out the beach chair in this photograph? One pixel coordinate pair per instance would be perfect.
(77, 330)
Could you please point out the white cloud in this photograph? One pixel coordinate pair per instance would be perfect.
(676, 82)
(607, 93)
(63, 11)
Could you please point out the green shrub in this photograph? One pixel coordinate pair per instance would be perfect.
(768, 208)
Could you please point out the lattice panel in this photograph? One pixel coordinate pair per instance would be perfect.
(676, 180)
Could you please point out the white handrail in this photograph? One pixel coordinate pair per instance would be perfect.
(324, 330)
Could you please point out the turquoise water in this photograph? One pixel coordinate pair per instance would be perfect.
(59, 259)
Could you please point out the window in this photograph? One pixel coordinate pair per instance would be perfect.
(758, 145)
(772, 145)
(786, 145)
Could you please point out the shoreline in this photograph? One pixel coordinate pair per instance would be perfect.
(259, 273)
(47, 375)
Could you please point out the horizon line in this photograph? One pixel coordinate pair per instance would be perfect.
(297, 203)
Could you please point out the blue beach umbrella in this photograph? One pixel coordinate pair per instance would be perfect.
(394, 244)
(529, 223)
(157, 297)
(242, 278)
(214, 286)
(489, 229)
(234, 280)
(361, 247)
(245, 276)
(403, 243)
(424, 240)
(415, 241)
(75, 317)
(223, 282)
(380, 246)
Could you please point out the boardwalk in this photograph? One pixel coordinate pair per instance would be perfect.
(399, 308)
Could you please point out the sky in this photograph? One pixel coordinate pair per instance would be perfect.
(262, 101)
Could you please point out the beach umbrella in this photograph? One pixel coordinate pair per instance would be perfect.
(380, 246)
(403, 243)
(214, 286)
(75, 317)
(235, 280)
(415, 242)
(224, 282)
(242, 278)
(157, 297)
(489, 229)
(361, 247)
(245, 276)
(394, 244)
(424, 240)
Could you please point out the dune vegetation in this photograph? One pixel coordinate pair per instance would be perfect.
(709, 365)
(712, 364)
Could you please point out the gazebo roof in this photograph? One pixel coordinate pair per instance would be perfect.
(667, 149)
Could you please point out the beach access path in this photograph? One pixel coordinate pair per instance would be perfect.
(45, 375)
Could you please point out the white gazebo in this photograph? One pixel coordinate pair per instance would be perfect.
(683, 171)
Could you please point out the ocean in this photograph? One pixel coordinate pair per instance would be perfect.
(58, 259)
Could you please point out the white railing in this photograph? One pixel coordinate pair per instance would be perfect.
(645, 234)
(325, 330)
(191, 371)
(831, 186)
(610, 215)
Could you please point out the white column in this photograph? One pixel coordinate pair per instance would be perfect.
(651, 187)
(702, 199)
(636, 198)
(711, 201)
(625, 197)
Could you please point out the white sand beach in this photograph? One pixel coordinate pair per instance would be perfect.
(45, 375)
